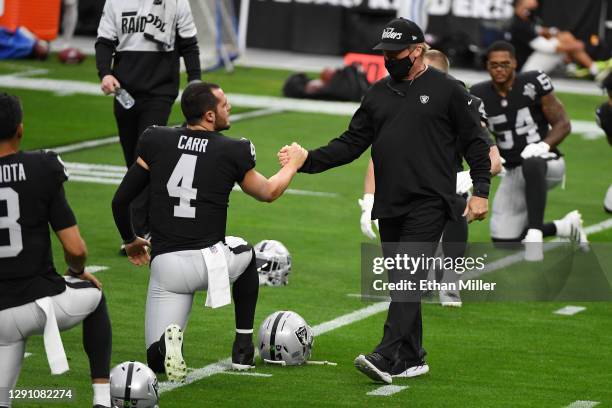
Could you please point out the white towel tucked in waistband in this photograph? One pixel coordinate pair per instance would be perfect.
(162, 28)
(52, 339)
(218, 276)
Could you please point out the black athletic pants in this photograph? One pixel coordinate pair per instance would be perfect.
(131, 123)
(403, 333)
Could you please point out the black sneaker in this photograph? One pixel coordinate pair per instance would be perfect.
(375, 366)
(243, 356)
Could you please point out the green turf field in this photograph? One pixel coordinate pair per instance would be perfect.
(511, 354)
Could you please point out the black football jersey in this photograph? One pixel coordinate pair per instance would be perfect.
(604, 119)
(517, 119)
(31, 198)
(192, 174)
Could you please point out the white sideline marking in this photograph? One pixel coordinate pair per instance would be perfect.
(387, 390)
(225, 364)
(588, 128)
(246, 373)
(95, 268)
(88, 144)
(26, 354)
(85, 145)
(583, 404)
(570, 310)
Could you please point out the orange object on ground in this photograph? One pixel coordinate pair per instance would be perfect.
(373, 65)
(41, 17)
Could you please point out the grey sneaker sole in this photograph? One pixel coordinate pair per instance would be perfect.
(369, 369)
(174, 364)
(242, 367)
(413, 372)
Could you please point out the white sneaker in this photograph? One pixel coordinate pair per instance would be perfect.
(570, 227)
(450, 298)
(534, 245)
(174, 364)
(413, 371)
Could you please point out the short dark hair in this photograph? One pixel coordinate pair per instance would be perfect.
(11, 115)
(197, 99)
(501, 46)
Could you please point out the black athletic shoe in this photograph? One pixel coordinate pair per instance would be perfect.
(243, 356)
(375, 366)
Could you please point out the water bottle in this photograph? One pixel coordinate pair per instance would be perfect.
(124, 98)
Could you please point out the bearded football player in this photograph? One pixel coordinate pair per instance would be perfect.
(529, 123)
(191, 172)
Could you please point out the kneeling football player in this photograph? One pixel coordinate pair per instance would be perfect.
(191, 172)
(34, 299)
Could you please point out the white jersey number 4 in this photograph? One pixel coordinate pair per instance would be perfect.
(180, 186)
(9, 221)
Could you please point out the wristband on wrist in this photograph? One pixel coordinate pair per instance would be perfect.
(481, 190)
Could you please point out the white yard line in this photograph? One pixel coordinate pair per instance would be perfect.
(246, 373)
(387, 390)
(588, 128)
(95, 268)
(570, 310)
(26, 355)
(583, 404)
(225, 364)
(88, 144)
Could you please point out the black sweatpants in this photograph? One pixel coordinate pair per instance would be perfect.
(131, 123)
(403, 333)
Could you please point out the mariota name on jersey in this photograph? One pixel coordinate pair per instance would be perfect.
(12, 172)
(131, 23)
(194, 144)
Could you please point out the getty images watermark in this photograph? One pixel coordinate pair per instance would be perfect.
(404, 264)
(486, 272)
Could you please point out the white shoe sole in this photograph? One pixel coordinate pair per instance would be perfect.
(451, 304)
(242, 367)
(369, 369)
(413, 372)
(174, 363)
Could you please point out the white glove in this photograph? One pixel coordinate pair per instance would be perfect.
(464, 182)
(539, 149)
(502, 173)
(366, 205)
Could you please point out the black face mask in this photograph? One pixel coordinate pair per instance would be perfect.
(399, 68)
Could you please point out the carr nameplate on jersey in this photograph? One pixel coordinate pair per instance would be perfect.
(194, 144)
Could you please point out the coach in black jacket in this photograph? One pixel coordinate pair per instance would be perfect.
(138, 49)
(415, 120)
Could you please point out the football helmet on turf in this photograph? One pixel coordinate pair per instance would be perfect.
(273, 263)
(133, 385)
(286, 338)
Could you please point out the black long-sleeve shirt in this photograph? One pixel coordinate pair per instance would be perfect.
(142, 66)
(415, 129)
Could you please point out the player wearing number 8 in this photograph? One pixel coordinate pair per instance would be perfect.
(528, 122)
(191, 171)
(34, 299)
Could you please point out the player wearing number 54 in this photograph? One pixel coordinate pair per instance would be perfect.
(191, 172)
